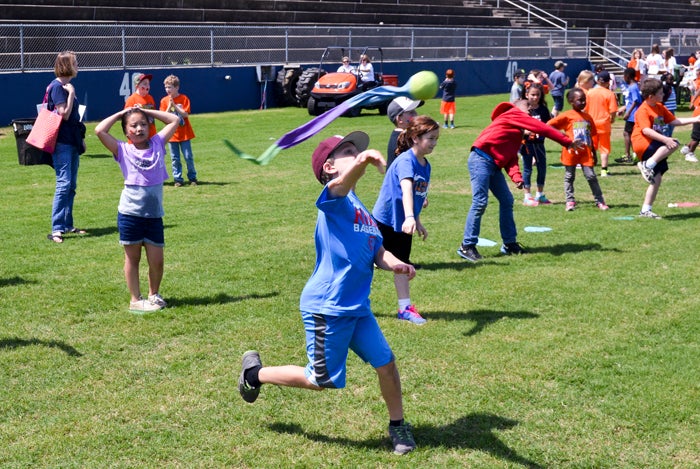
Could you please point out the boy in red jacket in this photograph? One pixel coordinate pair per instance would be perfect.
(496, 148)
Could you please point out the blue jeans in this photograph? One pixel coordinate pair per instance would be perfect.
(536, 150)
(485, 176)
(186, 147)
(66, 160)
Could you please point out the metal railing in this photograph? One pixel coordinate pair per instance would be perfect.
(33, 47)
(683, 41)
(534, 11)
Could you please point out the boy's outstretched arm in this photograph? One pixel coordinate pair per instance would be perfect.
(345, 182)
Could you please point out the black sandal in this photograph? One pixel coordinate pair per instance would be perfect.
(76, 231)
(56, 238)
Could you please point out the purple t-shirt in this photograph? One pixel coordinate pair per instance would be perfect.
(143, 167)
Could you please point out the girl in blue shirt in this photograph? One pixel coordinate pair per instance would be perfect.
(403, 195)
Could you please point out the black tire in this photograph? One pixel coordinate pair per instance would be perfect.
(312, 107)
(305, 84)
(286, 84)
(353, 112)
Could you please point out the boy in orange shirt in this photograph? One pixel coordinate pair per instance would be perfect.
(179, 104)
(650, 144)
(578, 125)
(141, 98)
(602, 107)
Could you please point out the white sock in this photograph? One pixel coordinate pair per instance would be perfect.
(646, 208)
(539, 194)
(650, 164)
(404, 303)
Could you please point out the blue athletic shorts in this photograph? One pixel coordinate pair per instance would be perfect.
(140, 230)
(328, 339)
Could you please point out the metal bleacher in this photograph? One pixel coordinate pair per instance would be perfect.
(453, 13)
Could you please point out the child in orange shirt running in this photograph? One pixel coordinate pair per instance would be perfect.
(650, 144)
(179, 104)
(141, 98)
(578, 125)
(602, 107)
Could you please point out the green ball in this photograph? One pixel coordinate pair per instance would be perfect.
(423, 85)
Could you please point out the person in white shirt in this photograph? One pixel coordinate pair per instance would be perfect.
(365, 69)
(346, 67)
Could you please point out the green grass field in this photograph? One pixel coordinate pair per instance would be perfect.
(584, 353)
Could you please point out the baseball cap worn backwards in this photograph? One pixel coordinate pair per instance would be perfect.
(559, 63)
(139, 77)
(603, 76)
(401, 105)
(329, 145)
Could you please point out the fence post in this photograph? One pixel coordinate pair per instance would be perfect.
(211, 47)
(123, 48)
(413, 44)
(21, 47)
(508, 44)
(466, 44)
(286, 45)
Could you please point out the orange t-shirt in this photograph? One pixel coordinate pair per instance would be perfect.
(648, 117)
(577, 125)
(601, 104)
(184, 131)
(146, 102)
(637, 74)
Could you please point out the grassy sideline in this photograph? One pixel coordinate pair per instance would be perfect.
(581, 354)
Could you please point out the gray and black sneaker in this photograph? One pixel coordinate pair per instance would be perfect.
(469, 252)
(649, 214)
(402, 438)
(512, 248)
(626, 159)
(647, 173)
(250, 359)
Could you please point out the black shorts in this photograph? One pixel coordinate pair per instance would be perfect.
(629, 127)
(695, 133)
(396, 242)
(662, 166)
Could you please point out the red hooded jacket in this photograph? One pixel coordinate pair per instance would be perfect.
(502, 138)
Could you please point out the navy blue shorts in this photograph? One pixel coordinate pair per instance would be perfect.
(662, 166)
(140, 230)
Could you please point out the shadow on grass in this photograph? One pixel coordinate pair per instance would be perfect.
(474, 431)
(97, 232)
(8, 282)
(682, 216)
(484, 318)
(16, 342)
(568, 248)
(97, 155)
(221, 298)
(186, 184)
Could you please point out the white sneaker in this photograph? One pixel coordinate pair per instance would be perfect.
(156, 299)
(685, 150)
(143, 306)
(691, 157)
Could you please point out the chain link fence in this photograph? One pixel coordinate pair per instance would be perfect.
(33, 47)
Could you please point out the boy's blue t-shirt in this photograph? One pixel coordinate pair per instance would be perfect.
(632, 96)
(389, 206)
(347, 242)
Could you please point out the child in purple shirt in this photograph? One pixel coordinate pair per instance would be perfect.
(140, 211)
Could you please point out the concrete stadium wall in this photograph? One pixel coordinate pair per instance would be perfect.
(104, 92)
